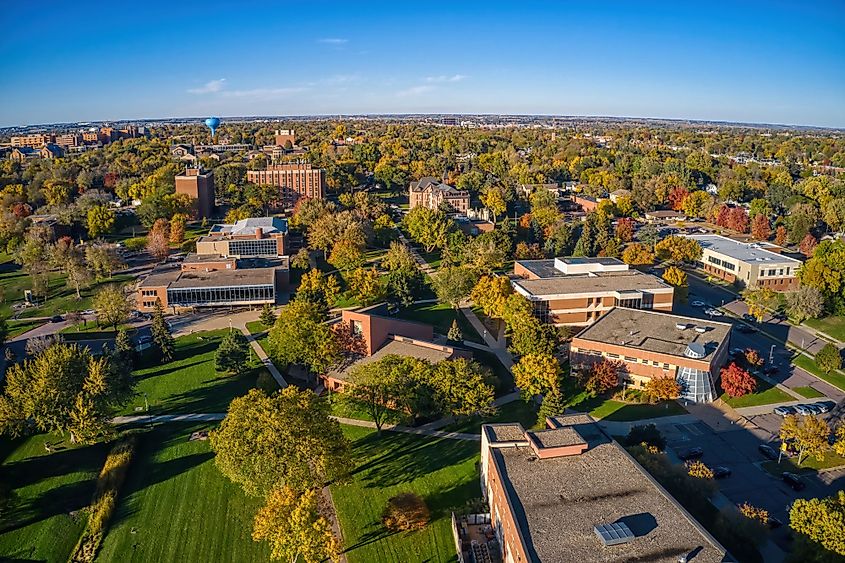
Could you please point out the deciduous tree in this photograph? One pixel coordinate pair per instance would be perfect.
(366, 285)
(829, 358)
(678, 249)
(111, 305)
(736, 381)
(428, 227)
(637, 254)
(452, 284)
(805, 303)
(809, 434)
(537, 374)
(663, 388)
(158, 239)
(760, 227)
(491, 294)
(603, 376)
(99, 221)
(821, 521)
(300, 336)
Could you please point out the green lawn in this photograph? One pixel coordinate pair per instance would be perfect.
(503, 375)
(190, 384)
(619, 411)
(441, 471)
(16, 328)
(833, 326)
(809, 365)
(809, 464)
(440, 315)
(176, 506)
(345, 406)
(766, 394)
(808, 392)
(515, 411)
(261, 334)
(48, 488)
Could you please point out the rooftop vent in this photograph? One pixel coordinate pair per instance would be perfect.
(695, 350)
(681, 326)
(701, 329)
(614, 534)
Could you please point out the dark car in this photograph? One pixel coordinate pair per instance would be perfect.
(747, 329)
(793, 480)
(829, 405)
(720, 472)
(692, 453)
(56, 319)
(770, 369)
(749, 317)
(768, 451)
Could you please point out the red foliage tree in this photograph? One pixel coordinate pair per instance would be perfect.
(737, 382)
(603, 376)
(21, 210)
(760, 228)
(738, 220)
(677, 197)
(720, 216)
(808, 245)
(781, 235)
(625, 229)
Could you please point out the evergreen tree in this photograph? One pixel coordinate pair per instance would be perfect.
(233, 353)
(124, 351)
(552, 406)
(161, 334)
(267, 318)
(455, 334)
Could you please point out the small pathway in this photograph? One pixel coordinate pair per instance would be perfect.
(408, 430)
(496, 346)
(194, 417)
(446, 421)
(424, 266)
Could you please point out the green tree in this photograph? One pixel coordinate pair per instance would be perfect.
(318, 289)
(366, 285)
(161, 334)
(301, 260)
(428, 227)
(375, 389)
(821, 521)
(267, 317)
(291, 523)
(63, 389)
(300, 336)
(463, 388)
(805, 303)
(68, 257)
(553, 405)
(829, 358)
(537, 374)
(111, 305)
(102, 259)
(232, 354)
(100, 221)
(124, 350)
(285, 439)
(678, 249)
(452, 284)
(493, 200)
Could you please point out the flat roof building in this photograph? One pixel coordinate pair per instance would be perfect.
(200, 186)
(747, 264)
(570, 493)
(578, 290)
(651, 344)
(256, 236)
(295, 180)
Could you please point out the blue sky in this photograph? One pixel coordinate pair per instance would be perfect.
(773, 62)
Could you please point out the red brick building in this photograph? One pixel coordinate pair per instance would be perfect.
(200, 186)
(295, 180)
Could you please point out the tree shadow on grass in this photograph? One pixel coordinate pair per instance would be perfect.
(58, 500)
(34, 469)
(377, 532)
(168, 369)
(213, 397)
(453, 498)
(394, 458)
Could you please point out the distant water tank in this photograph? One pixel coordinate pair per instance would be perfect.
(212, 123)
(695, 350)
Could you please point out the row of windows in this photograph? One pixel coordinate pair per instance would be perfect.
(723, 263)
(208, 295)
(263, 247)
(626, 358)
(148, 303)
(148, 292)
(774, 272)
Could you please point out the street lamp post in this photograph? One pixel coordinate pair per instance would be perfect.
(147, 409)
(771, 354)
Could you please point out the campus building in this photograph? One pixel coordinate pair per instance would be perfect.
(651, 344)
(578, 290)
(235, 265)
(256, 236)
(200, 186)
(34, 141)
(382, 335)
(571, 493)
(432, 193)
(295, 180)
(285, 138)
(747, 264)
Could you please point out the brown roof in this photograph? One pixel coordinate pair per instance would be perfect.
(558, 501)
(398, 346)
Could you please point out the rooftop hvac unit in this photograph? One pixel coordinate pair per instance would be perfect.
(681, 326)
(700, 329)
(614, 534)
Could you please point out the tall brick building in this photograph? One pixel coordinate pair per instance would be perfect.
(200, 186)
(295, 180)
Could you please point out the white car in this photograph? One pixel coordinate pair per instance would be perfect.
(697, 303)
(713, 312)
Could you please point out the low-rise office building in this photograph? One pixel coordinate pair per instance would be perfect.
(432, 193)
(383, 335)
(650, 344)
(571, 493)
(256, 236)
(747, 264)
(577, 291)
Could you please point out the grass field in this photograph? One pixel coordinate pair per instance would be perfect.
(190, 384)
(609, 409)
(442, 471)
(440, 315)
(176, 506)
(515, 411)
(809, 465)
(345, 407)
(766, 394)
(808, 392)
(261, 334)
(832, 326)
(48, 488)
(16, 328)
(809, 365)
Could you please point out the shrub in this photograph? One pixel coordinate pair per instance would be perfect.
(405, 512)
(646, 434)
(754, 513)
(135, 243)
(105, 499)
(737, 382)
(699, 470)
(603, 376)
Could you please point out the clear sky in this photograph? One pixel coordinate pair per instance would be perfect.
(773, 62)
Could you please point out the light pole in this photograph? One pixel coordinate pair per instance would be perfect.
(147, 409)
(771, 354)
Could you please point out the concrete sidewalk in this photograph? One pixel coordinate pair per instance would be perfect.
(142, 418)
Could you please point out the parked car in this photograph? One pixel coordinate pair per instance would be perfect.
(829, 405)
(803, 410)
(770, 369)
(814, 409)
(747, 329)
(737, 352)
(713, 312)
(749, 317)
(697, 303)
(784, 411)
(692, 453)
(793, 480)
(767, 451)
(720, 472)
(143, 343)
(89, 312)
(56, 319)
